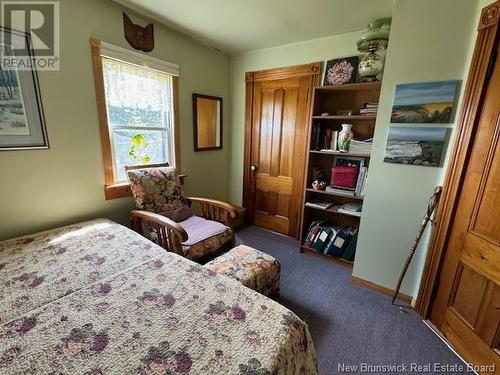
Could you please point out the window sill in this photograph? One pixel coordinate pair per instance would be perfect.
(122, 189)
(119, 190)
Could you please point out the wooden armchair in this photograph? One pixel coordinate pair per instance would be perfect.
(198, 238)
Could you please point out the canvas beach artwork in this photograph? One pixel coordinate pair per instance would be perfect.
(12, 112)
(416, 145)
(426, 102)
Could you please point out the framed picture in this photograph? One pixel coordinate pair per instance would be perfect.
(22, 122)
(341, 71)
(427, 102)
(416, 146)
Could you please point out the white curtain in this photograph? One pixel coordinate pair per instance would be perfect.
(132, 86)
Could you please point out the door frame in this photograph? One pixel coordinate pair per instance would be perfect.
(477, 83)
(305, 70)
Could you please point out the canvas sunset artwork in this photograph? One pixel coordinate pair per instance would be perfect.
(426, 102)
(416, 145)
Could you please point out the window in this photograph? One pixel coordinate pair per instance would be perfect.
(136, 95)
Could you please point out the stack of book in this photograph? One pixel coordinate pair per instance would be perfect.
(369, 108)
(332, 240)
(321, 205)
(353, 209)
(340, 191)
(364, 147)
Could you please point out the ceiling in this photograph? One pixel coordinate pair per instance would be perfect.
(236, 26)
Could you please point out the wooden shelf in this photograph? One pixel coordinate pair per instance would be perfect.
(332, 99)
(359, 154)
(351, 117)
(334, 210)
(338, 260)
(334, 194)
(352, 86)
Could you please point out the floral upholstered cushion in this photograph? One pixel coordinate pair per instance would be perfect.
(156, 189)
(206, 238)
(208, 247)
(253, 268)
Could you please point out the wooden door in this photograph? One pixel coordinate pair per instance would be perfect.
(277, 118)
(467, 306)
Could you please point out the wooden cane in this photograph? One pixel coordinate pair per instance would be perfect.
(433, 202)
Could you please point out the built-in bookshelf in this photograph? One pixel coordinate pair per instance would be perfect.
(328, 101)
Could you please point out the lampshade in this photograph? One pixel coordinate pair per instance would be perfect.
(376, 36)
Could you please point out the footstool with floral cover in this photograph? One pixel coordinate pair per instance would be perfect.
(253, 268)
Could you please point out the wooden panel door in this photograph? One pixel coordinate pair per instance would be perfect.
(278, 113)
(467, 306)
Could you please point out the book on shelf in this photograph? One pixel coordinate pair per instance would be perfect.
(362, 191)
(369, 108)
(360, 146)
(312, 232)
(327, 140)
(337, 246)
(324, 235)
(350, 249)
(328, 239)
(334, 142)
(322, 205)
(361, 180)
(351, 209)
(340, 191)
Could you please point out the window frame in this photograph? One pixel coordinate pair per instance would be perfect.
(112, 188)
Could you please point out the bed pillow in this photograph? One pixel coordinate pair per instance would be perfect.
(156, 189)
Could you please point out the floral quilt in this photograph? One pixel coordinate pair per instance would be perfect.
(160, 315)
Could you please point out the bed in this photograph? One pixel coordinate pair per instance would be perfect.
(97, 298)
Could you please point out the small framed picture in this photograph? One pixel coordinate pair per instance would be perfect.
(22, 122)
(341, 71)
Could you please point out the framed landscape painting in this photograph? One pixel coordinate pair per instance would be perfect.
(416, 146)
(22, 123)
(426, 102)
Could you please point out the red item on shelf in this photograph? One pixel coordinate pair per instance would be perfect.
(345, 176)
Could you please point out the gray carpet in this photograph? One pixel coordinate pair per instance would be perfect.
(350, 325)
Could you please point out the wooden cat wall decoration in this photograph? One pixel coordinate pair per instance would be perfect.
(141, 38)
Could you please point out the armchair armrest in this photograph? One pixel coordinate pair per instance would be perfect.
(169, 233)
(212, 209)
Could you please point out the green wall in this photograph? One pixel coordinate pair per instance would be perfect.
(430, 40)
(46, 188)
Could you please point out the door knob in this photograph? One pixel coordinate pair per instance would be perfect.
(253, 168)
